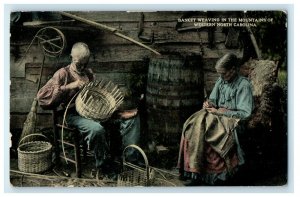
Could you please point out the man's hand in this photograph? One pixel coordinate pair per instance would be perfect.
(76, 84)
(128, 114)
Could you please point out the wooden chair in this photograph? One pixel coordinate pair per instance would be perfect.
(74, 142)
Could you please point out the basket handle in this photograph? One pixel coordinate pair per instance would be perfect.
(34, 134)
(140, 150)
(142, 153)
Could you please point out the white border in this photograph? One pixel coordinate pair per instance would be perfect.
(6, 9)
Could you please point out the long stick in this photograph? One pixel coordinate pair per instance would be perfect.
(253, 40)
(51, 177)
(41, 74)
(113, 30)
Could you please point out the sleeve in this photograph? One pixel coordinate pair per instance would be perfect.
(244, 103)
(214, 95)
(51, 94)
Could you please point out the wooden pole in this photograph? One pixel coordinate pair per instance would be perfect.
(111, 29)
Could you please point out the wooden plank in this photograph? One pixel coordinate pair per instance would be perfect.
(18, 66)
(118, 67)
(17, 121)
(194, 49)
(209, 64)
(21, 88)
(210, 80)
(125, 22)
(18, 62)
(219, 51)
(129, 16)
(119, 52)
(160, 34)
(122, 79)
(17, 69)
(112, 67)
(23, 105)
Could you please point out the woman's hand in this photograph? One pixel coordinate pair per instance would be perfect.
(219, 111)
(208, 104)
(222, 110)
(211, 109)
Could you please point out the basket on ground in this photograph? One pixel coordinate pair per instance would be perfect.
(133, 175)
(34, 156)
(98, 100)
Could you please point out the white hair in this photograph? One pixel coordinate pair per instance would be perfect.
(80, 51)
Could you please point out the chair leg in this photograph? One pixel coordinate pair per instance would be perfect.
(77, 155)
(84, 149)
(56, 139)
(75, 144)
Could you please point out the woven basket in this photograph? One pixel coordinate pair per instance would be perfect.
(135, 175)
(98, 100)
(34, 156)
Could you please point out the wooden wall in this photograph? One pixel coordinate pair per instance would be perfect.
(112, 57)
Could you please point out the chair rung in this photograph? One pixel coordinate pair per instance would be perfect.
(68, 159)
(65, 127)
(68, 143)
(72, 151)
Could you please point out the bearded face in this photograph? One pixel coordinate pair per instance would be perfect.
(80, 64)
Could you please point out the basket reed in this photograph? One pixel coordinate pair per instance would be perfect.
(98, 100)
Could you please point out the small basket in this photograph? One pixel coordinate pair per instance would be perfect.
(98, 100)
(34, 156)
(135, 175)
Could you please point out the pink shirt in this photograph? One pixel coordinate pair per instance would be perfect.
(51, 95)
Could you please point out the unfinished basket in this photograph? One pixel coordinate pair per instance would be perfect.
(133, 175)
(98, 100)
(34, 156)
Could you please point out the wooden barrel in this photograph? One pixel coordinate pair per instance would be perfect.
(174, 92)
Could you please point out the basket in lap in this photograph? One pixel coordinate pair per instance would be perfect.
(98, 100)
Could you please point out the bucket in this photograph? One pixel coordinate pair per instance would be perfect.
(174, 92)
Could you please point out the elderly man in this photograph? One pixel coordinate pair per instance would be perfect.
(209, 148)
(59, 90)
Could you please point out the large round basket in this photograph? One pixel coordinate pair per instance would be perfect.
(34, 156)
(98, 100)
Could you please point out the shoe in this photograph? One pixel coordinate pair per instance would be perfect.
(182, 177)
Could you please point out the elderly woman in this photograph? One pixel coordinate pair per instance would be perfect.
(60, 89)
(209, 148)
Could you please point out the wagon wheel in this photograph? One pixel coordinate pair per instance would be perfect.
(52, 41)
